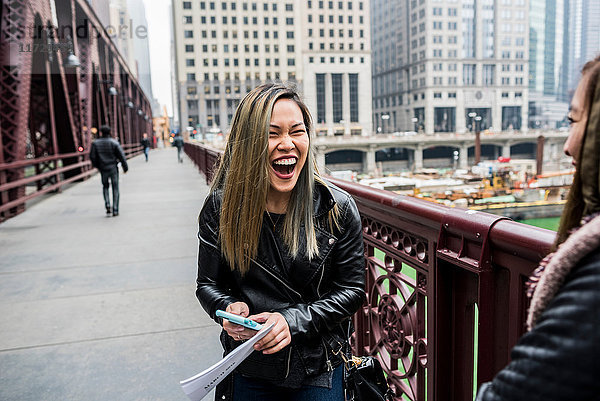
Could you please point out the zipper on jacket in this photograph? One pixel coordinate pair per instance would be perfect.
(278, 279)
(321, 279)
(289, 361)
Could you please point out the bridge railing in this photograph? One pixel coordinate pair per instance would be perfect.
(445, 289)
(27, 179)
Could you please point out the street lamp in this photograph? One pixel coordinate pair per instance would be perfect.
(415, 121)
(472, 116)
(385, 117)
(477, 123)
(72, 60)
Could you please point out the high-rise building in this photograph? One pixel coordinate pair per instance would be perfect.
(141, 48)
(584, 37)
(548, 25)
(226, 48)
(450, 66)
(120, 31)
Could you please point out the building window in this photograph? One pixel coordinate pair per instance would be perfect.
(511, 117)
(353, 87)
(337, 98)
(189, 48)
(189, 62)
(187, 20)
(188, 34)
(469, 74)
(191, 76)
(187, 5)
(444, 119)
(321, 98)
(489, 71)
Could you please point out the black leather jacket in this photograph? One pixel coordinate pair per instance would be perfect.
(333, 292)
(106, 153)
(559, 359)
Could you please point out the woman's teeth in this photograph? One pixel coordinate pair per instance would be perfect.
(284, 166)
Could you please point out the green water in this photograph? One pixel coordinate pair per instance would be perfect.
(551, 223)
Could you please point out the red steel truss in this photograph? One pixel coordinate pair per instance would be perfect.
(445, 289)
(51, 109)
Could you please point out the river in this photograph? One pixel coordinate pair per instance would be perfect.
(551, 223)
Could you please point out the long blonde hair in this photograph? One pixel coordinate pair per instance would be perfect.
(243, 177)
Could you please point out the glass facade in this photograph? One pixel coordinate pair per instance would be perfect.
(488, 28)
(468, 29)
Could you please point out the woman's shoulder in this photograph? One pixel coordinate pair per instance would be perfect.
(333, 194)
(211, 207)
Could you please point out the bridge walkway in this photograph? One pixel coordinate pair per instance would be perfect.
(103, 308)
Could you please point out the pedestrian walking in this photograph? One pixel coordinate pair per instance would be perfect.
(558, 358)
(145, 143)
(280, 245)
(104, 155)
(178, 143)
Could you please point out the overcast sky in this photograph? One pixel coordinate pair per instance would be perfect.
(159, 37)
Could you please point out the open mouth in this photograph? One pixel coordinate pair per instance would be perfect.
(284, 167)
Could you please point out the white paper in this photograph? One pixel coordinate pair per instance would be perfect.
(196, 387)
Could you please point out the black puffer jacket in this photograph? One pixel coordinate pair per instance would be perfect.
(559, 359)
(333, 292)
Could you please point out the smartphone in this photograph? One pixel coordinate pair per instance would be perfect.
(237, 319)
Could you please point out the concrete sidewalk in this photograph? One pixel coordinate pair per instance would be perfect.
(103, 308)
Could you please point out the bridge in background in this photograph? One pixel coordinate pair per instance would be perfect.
(546, 147)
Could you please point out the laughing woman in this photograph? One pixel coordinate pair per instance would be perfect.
(279, 244)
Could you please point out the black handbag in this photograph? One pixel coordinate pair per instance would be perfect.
(363, 378)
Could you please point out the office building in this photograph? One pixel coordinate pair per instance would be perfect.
(584, 37)
(141, 48)
(548, 61)
(450, 66)
(223, 49)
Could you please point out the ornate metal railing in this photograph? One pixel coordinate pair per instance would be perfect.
(445, 289)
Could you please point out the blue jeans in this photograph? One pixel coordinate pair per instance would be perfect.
(113, 176)
(146, 150)
(245, 389)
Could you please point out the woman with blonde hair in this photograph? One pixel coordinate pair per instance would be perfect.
(559, 357)
(281, 245)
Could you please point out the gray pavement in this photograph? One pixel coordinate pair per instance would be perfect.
(103, 308)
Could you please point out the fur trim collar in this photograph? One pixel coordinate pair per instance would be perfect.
(577, 246)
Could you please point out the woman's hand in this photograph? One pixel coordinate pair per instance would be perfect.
(236, 331)
(278, 338)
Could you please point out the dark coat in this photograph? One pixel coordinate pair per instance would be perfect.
(333, 291)
(559, 359)
(106, 153)
(178, 142)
